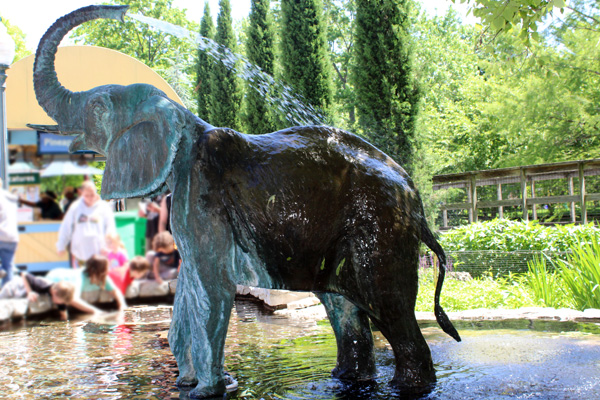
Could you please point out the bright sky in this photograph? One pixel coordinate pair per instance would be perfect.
(35, 16)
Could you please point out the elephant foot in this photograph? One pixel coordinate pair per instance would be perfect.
(216, 391)
(352, 374)
(411, 383)
(206, 394)
(186, 382)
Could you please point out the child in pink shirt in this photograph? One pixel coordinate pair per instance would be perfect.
(115, 252)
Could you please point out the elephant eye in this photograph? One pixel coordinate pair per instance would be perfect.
(99, 106)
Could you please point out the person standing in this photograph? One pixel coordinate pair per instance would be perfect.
(151, 211)
(48, 205)
(9, 232)
(164, 219)
(85, 225)
(69, 197)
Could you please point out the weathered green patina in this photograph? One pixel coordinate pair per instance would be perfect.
(308, 208)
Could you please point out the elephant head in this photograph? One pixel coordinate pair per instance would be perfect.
(137, 123)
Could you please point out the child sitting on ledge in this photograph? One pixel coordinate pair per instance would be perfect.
(165, 258)
(123, 276)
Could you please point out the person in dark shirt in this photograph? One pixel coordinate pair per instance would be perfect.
(30, 286)
(165, 258)
(151, 211)
(48, 205)
(70, 196)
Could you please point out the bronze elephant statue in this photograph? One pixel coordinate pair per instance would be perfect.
(309, 208)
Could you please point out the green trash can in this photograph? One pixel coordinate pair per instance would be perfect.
(132, 230)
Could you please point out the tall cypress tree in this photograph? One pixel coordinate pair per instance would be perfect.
(204, 65)
(304, 53)
(260, 52)
(226, 96)
(387, 93)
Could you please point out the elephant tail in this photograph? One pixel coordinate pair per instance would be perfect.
(440, 314)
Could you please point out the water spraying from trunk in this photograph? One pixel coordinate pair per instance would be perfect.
(279, 95)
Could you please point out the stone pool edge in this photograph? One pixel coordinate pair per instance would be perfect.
(299, 305)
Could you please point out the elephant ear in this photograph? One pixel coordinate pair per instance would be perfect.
(140, 159)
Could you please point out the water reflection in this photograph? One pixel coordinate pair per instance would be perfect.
(277, 358)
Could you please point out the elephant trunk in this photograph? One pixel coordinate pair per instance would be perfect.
(54, 98)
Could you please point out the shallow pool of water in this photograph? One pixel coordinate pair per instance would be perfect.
(278, 358)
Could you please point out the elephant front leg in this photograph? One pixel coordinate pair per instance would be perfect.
(197, 335)
(355, 356)
(180, 333)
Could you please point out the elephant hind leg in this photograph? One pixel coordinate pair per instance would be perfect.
(414, 372)
(355, 357)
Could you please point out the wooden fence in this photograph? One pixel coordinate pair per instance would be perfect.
(527, 176)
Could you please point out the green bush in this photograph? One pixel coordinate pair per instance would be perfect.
(581, 275)
(509, 293)
(507, 235)
(546, 284)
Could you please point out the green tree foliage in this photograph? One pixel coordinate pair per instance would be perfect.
(304, 55)
(261, 53)
(143, 42)
(506, 104)
(546, 107)
(340, 38)
(19, 37)
(204, 65)
(226, 96)
(454, 133)
(386, 91)
(521, 16)
(164, 53)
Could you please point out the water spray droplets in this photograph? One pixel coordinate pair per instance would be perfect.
(279, 95)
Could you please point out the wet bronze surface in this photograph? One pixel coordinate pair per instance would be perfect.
(306, 208)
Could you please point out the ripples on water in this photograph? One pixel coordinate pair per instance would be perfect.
(277, 358)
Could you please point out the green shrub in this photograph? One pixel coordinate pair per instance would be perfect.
(509, 293)
(546, 284)
(507, 235)
(581, 275)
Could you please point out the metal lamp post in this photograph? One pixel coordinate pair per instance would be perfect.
(7, 54)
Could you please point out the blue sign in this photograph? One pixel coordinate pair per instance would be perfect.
(51, 143)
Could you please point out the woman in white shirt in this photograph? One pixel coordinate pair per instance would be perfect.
(85, 225)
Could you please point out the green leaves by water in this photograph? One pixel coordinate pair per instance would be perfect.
(572, 283)
(575, 283)
(545, 283)
(510, 292)
(581, 275)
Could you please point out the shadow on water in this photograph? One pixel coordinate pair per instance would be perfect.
(275, 357)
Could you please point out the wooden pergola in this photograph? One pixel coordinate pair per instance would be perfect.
(527, 176)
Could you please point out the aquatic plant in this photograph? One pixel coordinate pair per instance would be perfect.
(545, 283)
(580, 273)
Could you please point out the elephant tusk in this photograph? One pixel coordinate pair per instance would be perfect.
(45, 128)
